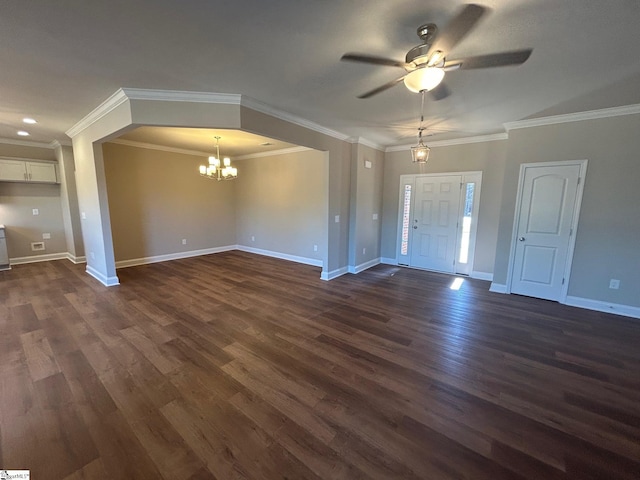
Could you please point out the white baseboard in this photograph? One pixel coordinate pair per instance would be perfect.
(39, 258)
(76, 260)
(334, 273)
(388, 261)
(172, 256)
(498, 288)
(607, 307)
(482, 276)
(106, 281)
(363, 266)
(283, 256)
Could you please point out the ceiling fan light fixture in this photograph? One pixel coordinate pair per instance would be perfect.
(424, 79)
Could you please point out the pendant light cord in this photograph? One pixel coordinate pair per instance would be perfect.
(421, 119)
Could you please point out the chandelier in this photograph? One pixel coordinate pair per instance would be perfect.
(420, 153)
(217, 170)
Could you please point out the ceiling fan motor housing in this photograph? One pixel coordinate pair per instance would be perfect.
(418, 54)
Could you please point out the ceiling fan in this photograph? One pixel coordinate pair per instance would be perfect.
(426, 64)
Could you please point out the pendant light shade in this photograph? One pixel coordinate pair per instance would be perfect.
(420, 153)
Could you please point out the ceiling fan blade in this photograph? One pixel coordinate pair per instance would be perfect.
(504, 59)
(382, 88)
(371, 59)
(440, 92)
(458, 28)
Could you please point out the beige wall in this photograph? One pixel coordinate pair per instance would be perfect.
(339, 178)
(69, 201)
(282, 202)
(486, 157)
(157, 198)
(26, 151)
(366, 201)
(17, 201)
(607, 239)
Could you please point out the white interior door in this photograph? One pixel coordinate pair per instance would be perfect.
(544, 223)
(434, 226)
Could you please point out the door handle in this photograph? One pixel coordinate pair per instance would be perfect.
(521, 239)
(415, 227)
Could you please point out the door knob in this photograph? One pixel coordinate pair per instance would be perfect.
(521, 239)
(415, 227)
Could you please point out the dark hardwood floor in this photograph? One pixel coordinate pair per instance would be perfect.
(236, 366)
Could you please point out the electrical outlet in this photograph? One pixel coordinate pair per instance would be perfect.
(35, 211)
(253, 238)
(375, 216)
(315, 248)
(46, 236)
(614, 284)
(83, 215)
(337, 218)
(364, 251)
(184, 241)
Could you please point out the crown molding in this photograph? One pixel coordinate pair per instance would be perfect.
(114, 101)
(273, 153)
(288, 117)
(366, 143)
(26, 143)
(58, 143)
(162, 148)
(454, 141)
(182, 96)
(574, 117)
(126, 94)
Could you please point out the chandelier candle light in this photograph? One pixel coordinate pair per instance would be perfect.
(217, 170)
(420, 153)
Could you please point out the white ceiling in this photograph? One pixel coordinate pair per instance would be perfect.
(59, 60)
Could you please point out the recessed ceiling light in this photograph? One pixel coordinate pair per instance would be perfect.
(22, 133)
(266, 144)
(28, 120)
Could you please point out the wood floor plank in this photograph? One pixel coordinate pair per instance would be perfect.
(237, 366)
(39, 355)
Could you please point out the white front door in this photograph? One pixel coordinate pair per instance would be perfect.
(544, 225)
(434, 225)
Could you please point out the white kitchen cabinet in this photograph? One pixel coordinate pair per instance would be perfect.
(15, 170)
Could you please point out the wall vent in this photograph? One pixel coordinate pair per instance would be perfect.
(37, 246)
